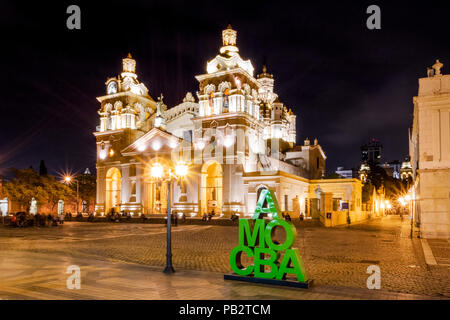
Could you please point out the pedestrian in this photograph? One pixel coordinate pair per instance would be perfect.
(37, 219)
(61, 219)
(49, 219)
(13, 221)
(175, 219)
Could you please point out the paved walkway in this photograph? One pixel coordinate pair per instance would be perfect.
(123, 261)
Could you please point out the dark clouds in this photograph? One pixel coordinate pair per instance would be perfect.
(346, 83)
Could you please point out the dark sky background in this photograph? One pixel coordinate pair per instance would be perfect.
(346, 83)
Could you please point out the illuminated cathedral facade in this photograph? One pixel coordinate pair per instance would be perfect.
(235, 135)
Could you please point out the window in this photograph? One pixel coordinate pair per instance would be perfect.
(187, 135)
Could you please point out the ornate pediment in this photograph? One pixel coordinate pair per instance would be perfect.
(155, 140)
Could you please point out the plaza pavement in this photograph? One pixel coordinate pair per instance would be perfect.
(124, 261)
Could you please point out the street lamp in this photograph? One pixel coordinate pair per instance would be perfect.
(69, 180)
(158, 173)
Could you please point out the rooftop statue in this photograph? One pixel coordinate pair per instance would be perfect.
(437, 68)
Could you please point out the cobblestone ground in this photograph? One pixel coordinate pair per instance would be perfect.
(333, 257)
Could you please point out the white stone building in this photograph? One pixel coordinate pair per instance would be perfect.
(429, 147)
(237, 138)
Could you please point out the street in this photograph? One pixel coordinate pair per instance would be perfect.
(125, 261)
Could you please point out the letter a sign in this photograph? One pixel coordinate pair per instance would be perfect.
(256, 240)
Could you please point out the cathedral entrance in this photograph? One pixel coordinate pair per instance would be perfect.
(211, 188)
(113, 188)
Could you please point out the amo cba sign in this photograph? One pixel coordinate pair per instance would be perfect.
(256, 240)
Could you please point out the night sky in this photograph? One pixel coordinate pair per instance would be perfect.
(346, 83)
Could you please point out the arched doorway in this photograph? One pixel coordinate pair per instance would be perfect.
(211, 188)
(113, 188)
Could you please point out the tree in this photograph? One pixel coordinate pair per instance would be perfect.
(55, 191)
(25, 186)
(376, 175)
(42, 169)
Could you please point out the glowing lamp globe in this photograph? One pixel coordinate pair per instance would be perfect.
(200, 145)
(181, 170)
(156, 145)
(157, 171)
(228, 141)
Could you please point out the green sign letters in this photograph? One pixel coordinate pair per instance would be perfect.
(256, 241)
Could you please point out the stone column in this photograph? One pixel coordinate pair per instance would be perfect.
(101, 190)
(125, 185)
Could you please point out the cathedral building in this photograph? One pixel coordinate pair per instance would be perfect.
(235, 134)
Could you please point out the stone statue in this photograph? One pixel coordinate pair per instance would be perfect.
(437, 67)
(159, 119)
(159, 106)
(33, 206)
(61, 207)
(189, 98)
(318, 191)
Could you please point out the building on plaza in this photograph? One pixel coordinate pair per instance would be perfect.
(406, 171)
(429, 148)
(371, 151)
(236, 134)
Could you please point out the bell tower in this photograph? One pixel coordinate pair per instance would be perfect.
(125, 113)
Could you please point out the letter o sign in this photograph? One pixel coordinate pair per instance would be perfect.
(291, 234)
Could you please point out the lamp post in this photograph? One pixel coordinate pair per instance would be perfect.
(69, 179)
(157, 172)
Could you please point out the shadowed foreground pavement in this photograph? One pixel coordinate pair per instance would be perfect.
(38, 276)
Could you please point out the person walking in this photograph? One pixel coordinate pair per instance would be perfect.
(37, 219)
(61, 219)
